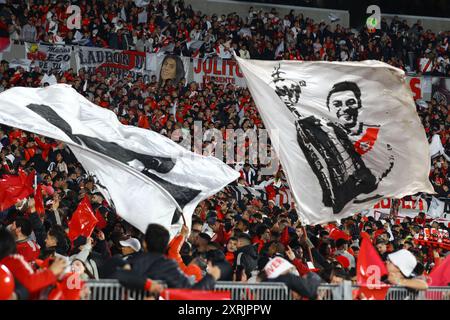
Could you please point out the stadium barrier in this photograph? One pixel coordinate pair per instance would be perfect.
(255, 291)
(111, 289)
(433, 293)
(346, 290)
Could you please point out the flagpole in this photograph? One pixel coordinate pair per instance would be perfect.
(184, 219)
(35, 182)
(309, 249)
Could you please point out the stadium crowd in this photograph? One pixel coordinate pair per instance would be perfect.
(228, 239)
(173, 26)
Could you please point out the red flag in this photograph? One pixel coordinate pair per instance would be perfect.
(39, 200)
(285, 239)
(336, 234)
(5, 44)
(369, 270)
(68, 288)
(440, 275)
(101, 221)
(83, 220)
(15, 188)
(188, 294)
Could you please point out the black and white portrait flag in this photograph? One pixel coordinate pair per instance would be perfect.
(149, 177)
(349, 133)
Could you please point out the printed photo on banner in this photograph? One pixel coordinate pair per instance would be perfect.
(172, 68)
(49, 57)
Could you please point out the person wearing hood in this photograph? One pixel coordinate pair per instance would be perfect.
(246, 257)
(400, 266)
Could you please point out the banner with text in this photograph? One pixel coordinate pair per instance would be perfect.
(49, 57)
(218, 70)
(409, 207)
(123, 63)
(420, 87)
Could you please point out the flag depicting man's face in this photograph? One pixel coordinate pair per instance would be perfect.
(344, 100)
(345, 105)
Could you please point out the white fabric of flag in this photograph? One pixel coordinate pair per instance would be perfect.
(349, 133)
(147, 176)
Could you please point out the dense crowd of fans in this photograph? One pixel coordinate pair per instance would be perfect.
(228, 239)
(173, 26)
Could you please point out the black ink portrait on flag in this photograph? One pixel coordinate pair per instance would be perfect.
(142, 162)
(334, 149)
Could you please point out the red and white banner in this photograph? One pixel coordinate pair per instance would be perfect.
(122, 63)
(217, 70)
(420, 87)
(408, 208)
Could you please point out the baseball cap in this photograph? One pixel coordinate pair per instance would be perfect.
(404, 260)
(132, 243)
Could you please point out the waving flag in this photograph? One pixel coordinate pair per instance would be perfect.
(15, 188)
(349, 133)
(147, 177)
(369, 271)
(39, 200)
(83, 220)
(440, 275)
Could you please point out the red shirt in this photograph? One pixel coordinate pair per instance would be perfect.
(229, 256)
(221, 236)
(29, 249)
(260, 242)
(33, 281)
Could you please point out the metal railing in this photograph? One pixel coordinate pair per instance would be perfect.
(432, 293)
(346, 291)
(111, 289)
(255, 291)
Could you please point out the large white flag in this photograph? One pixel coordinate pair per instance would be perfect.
(349, 133)
(148, 177)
